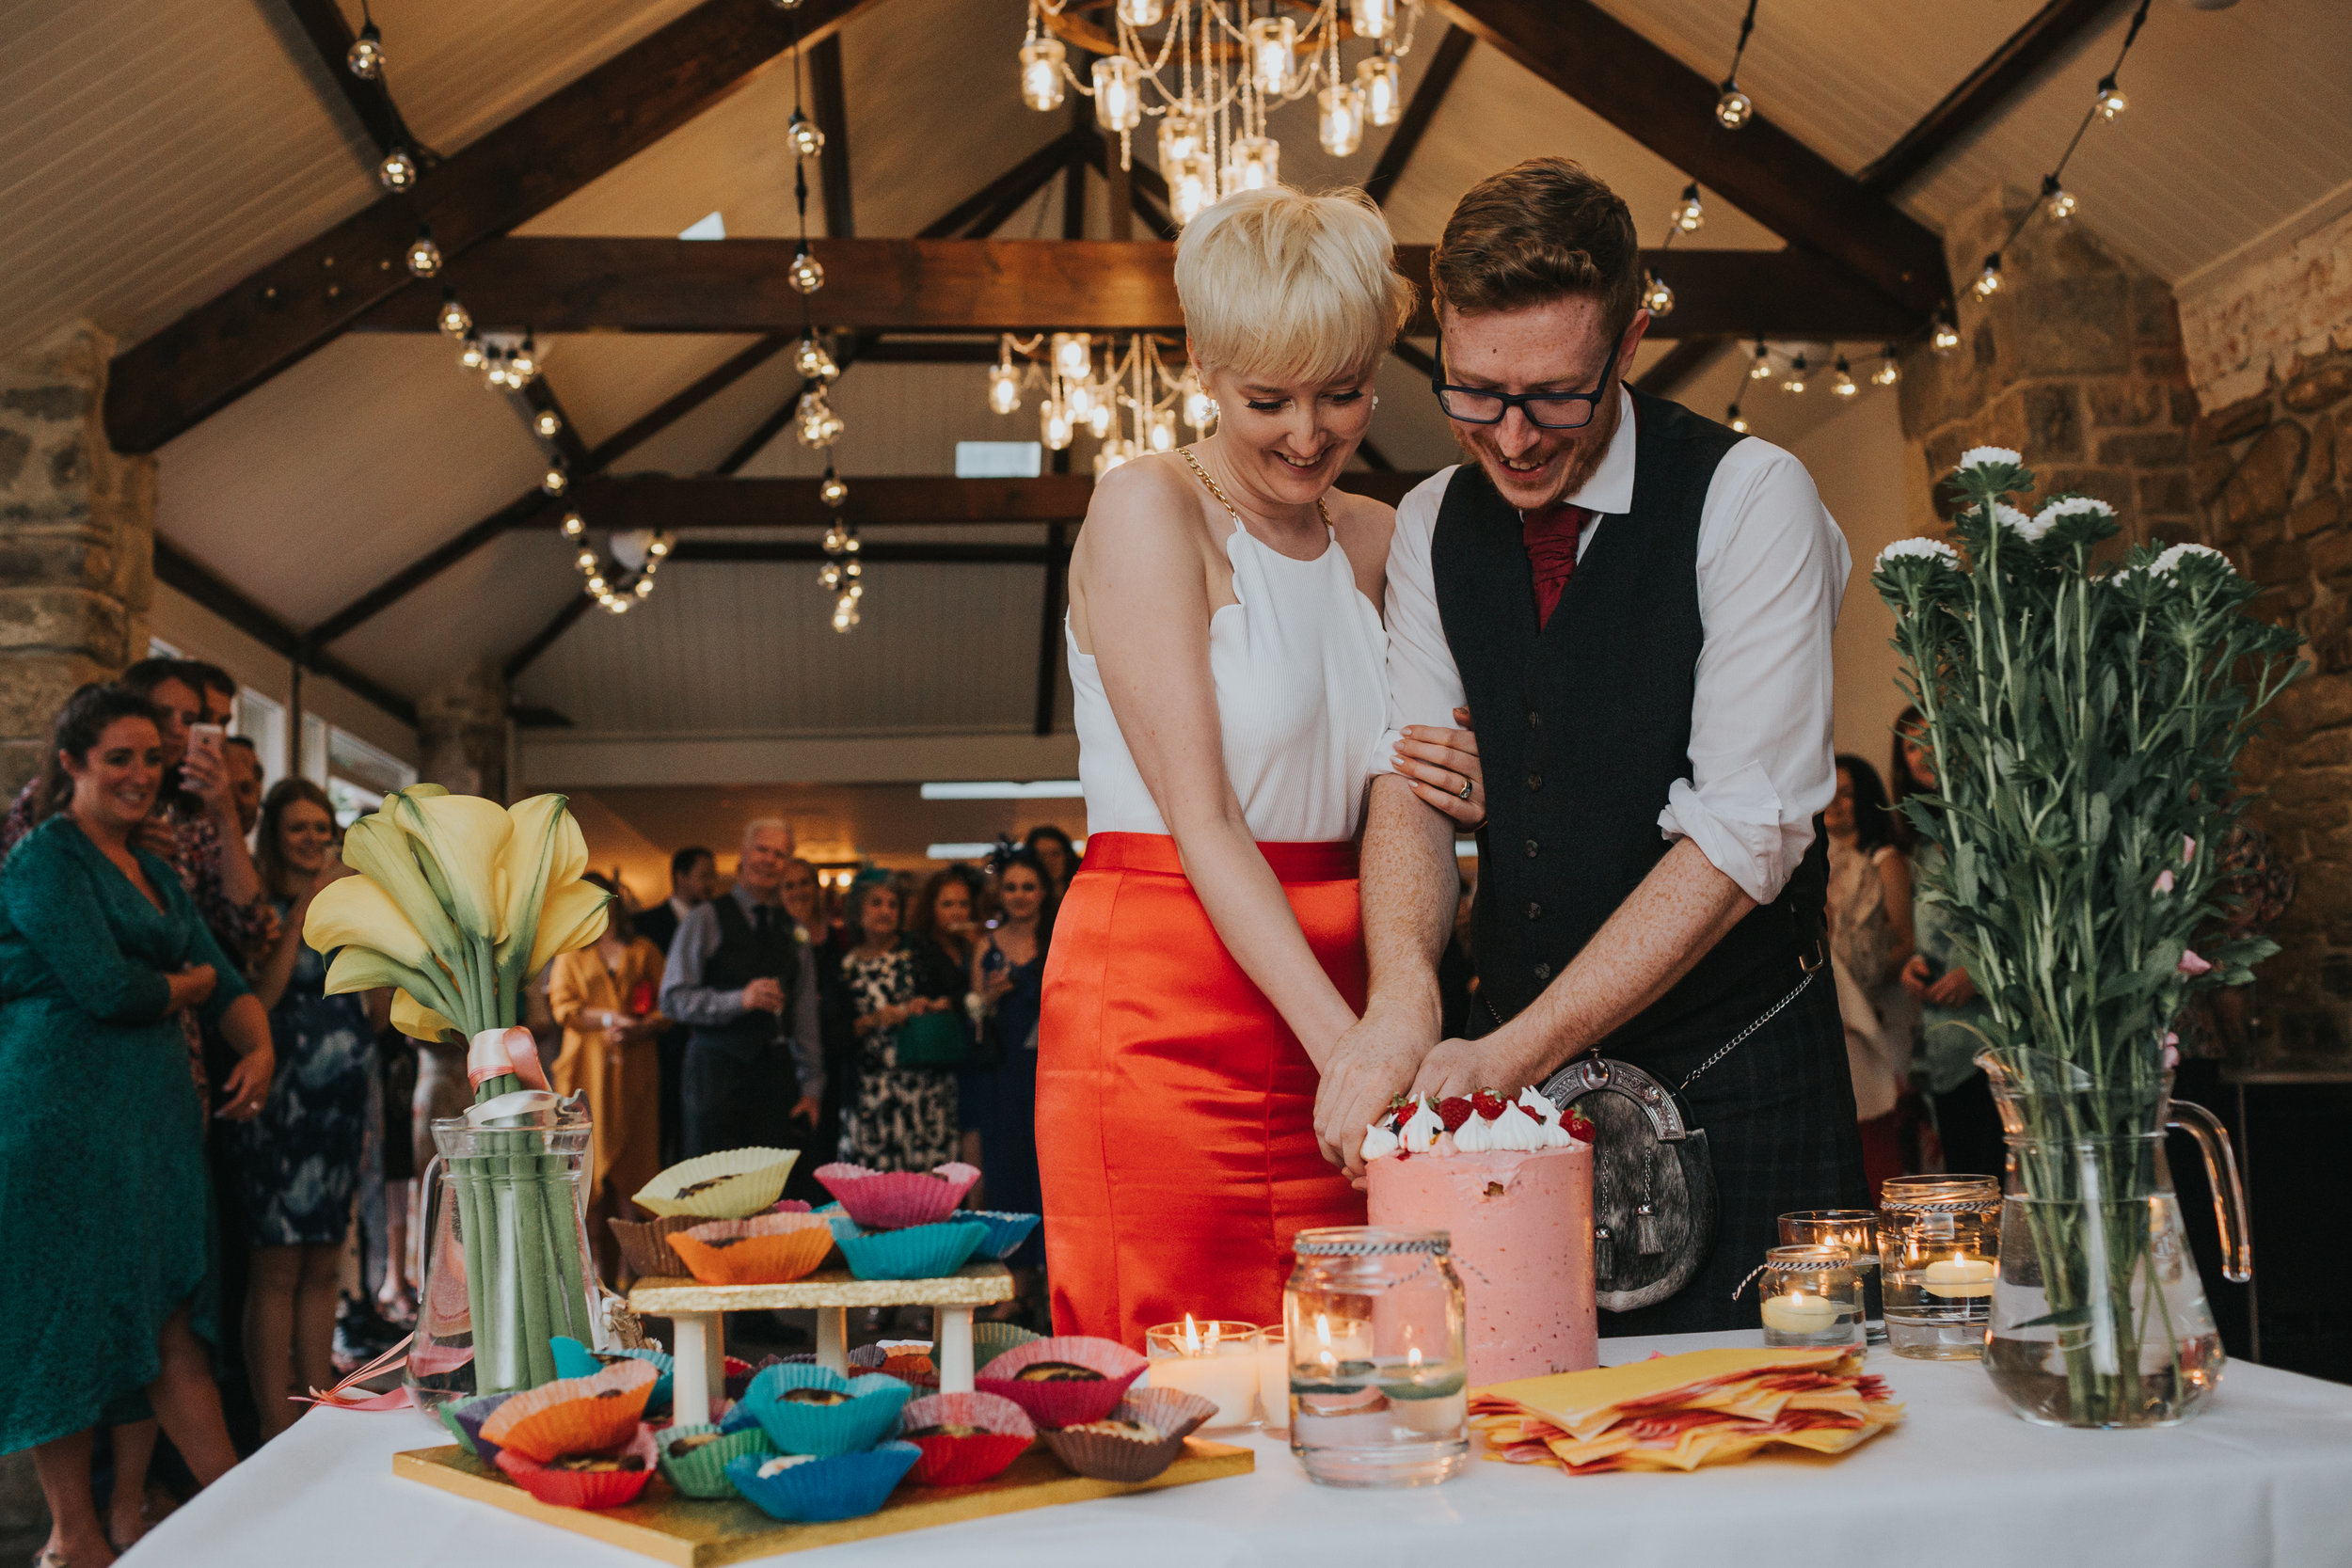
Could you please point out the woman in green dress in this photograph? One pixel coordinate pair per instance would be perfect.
(103, 1190)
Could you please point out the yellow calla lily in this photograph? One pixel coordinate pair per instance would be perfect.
(574, 916)
(459, 838)
(543, 850)
(420, 1022)
(377, 848)
(365, 969)
(354, 911)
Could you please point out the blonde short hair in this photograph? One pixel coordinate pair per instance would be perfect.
(1278, 282)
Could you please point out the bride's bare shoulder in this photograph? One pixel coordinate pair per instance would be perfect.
(1146, 501)
(1364, 526)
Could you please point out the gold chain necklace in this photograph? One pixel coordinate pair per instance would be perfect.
(1194, 464)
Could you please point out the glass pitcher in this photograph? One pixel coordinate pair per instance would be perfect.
(2099, 1317)
(505, 1264)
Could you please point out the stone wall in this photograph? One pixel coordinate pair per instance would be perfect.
(2076, 362)
(76, 539)
(2270, 474)
(463, 734)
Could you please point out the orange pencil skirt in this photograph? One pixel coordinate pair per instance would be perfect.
(1175, 1109)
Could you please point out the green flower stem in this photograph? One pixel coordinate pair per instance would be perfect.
(564, 1238)
(531, 1247)
(474, 1232)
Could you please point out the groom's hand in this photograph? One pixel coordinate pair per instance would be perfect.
(1372, 1063)
(1466, 1067)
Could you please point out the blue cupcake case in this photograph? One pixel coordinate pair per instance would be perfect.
(920, 1252)
(1004, 1231)
(847, 1486)
(574, 1359)
(825, 1430)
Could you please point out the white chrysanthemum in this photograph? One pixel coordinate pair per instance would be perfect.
(1931, 550)
(2069, 506)
(1986, 457)
(2028, 529)
(2168, 562)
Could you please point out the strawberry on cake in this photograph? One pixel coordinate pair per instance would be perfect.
(1512, 1181)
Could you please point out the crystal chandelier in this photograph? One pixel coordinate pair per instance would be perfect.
(1209, 80)
(1126, 398)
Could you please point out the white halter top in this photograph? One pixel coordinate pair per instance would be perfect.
(1301, 664)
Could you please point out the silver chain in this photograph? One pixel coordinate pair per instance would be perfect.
(1728, 1046)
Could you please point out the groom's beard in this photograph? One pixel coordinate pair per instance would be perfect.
(1579, 457)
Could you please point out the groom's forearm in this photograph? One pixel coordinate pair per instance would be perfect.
(1410, 889)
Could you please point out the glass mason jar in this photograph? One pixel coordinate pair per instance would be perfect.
(1812, 1297)
(1856, 1230)
(506, 1264)
(2099, 1317)
(1378, 1357)
(1939, 1243)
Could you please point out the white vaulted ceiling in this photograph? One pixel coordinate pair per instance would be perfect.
(151, 154)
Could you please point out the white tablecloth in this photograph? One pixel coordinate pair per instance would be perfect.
(2264, 1477)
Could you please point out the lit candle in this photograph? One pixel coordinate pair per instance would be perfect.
(1960, 1276)
(1273, 1378)
(1802, 1312)
(1215, 1361)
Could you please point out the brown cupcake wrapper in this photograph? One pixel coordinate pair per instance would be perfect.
(646, 1244)
(1104, 1457)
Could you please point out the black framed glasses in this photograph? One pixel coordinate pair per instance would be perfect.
(1547, 410)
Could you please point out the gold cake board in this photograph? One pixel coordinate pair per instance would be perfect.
(694, 1533)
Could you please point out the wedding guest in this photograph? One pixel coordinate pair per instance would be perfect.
(298, 1162)
(1055, 853)
(694, 878)
(102, 1160)
(606, 997)
(899, 1116)
(998, 1088)
(1951, 1017)
(803, 891)
(244, 781)
(739, 977)
(1869, 941)
(945, 927)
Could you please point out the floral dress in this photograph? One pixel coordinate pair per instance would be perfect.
(301, 1158)
(896, 1118)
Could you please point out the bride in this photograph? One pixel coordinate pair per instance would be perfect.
(1228, 661)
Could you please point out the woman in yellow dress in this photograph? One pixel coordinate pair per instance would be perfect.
(604, 997)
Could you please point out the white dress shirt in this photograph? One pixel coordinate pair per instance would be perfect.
(1771, 568)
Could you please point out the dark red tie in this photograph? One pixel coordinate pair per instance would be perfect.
(1550, 536)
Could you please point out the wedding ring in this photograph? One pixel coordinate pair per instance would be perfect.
(1462, 794)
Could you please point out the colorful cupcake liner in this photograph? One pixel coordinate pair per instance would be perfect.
(923, 1252)
(574, 1359)
(871, 1415)
(745, 1181)
(1006, 1232)
(898, 1199)
(465, 1419)
(702, 1472)
(967, 1461)
(990, 1340)
(1063, 1405)
(574, 1414)
(736, 1375)
(768, 1249)
(1105, 1456)
(586, 1488)
(645, 1249)
(737, 1418)
(1172, 1410)
(846, 1486)
(790, 1206)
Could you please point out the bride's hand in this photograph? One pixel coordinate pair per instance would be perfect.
(1443, 768)
(1373, 1061)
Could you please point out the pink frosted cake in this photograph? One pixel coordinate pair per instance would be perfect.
(1515, 1187)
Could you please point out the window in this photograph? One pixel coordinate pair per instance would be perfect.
(999, 459)
(359, 775)
(710, 226)
(262, 720)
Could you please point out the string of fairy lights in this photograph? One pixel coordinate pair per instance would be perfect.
(2055, 203)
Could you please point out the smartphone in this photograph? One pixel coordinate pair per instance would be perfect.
(212, 739)
(1935, 968)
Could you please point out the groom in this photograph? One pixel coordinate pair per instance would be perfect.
(1636, 605)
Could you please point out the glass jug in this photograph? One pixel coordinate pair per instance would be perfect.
(2099, 1317)
(1379, 1358)
(505, 1262)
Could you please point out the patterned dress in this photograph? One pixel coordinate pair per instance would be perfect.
(896, 1118)
(301, 1158)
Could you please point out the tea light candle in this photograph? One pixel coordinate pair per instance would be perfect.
(1216, 1360)
(1960, 1276)
(1802, 1312)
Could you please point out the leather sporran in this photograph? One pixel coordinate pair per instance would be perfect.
(1654, 1200)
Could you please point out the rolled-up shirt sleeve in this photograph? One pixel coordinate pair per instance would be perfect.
(684, 997)
(1771, 568)
(1424, 685)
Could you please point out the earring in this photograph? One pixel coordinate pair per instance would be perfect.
(1376, 400)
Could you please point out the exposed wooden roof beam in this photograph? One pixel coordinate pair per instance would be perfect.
(679, 406)
(542, 400)
(518, 513)
(1445, 63)
(2004, 72)
(1678, 364)
(1762, 169)
(544, 638)
(322, 21)
(179, 570)
(1147, 188)
(264, 322)
(1006, 192)
(655, 285)
(828, 106)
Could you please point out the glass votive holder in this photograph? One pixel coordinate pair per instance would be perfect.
(1273, 1378)
(1378, 1357)
(1939, 1252)
(1856, 1230)
(1217, 1359)
(1812, 1297)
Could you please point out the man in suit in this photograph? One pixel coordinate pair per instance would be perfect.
(693, 876)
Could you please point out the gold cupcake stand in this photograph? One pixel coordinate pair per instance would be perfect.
(702, 1535)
